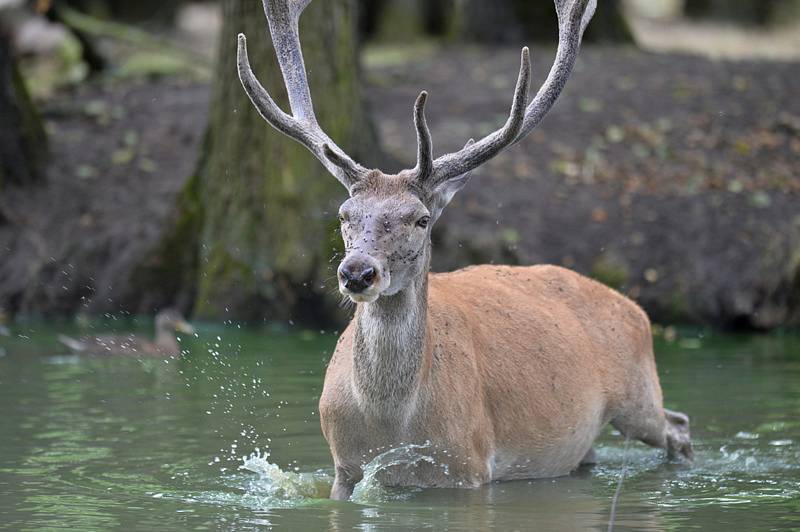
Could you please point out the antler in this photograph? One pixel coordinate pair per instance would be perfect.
(424, 167)
(573, 16)
(301, 125)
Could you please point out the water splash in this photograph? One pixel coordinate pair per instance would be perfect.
(276, 485)
(729, 474)
(370, 490)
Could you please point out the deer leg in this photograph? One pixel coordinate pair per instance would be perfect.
(678, 438)
(341, 489)
(343, 483)
(640, 415)
(590, 458)
(657, 427)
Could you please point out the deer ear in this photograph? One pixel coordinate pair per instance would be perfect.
(445, 191)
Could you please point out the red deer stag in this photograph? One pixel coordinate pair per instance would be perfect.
(507, 372)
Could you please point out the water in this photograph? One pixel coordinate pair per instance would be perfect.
(227, 437)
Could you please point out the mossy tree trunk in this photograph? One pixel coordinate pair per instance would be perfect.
(261, 210)
(392, 20)
(22, 138)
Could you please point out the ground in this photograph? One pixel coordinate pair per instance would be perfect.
(119, 155)
(670, 177)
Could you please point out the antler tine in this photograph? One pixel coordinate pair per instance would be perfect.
(283, 17)
(261, 99)
(424, 167)
(573, 17)
(570, 14)
(473, 155)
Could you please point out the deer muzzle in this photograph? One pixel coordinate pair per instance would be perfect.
(360, 278)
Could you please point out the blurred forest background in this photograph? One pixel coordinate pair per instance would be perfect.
(135, 174)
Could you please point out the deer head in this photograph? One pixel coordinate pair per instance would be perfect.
(387, 220)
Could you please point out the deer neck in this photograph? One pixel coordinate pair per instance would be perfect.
(390, 344)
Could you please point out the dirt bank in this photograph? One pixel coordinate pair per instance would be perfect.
(673, 178)
(119, 154)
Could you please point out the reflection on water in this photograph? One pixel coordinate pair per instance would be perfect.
(227, 436)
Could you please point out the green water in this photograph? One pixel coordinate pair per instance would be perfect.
(94, 443)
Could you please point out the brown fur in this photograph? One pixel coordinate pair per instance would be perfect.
(521, 369)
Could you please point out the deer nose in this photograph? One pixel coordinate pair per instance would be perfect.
(356, 278)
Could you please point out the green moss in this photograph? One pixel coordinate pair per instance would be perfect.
(169, 271)
(31, 120)
(393, 55)
(24, 148)
(794, 290)
(154, 64)
(678, 309)
(223, 275)
(610, 271)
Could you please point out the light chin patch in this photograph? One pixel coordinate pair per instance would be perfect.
(359, 298)
(363, 298)
(390, 291)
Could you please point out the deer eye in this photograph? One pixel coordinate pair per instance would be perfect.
(423, 222)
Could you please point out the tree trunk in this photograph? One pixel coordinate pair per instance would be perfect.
(369, 15)
(609, 24)
(511, 21)
(22, 138)
(260, 214)
(404, 20)
(392, 20)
